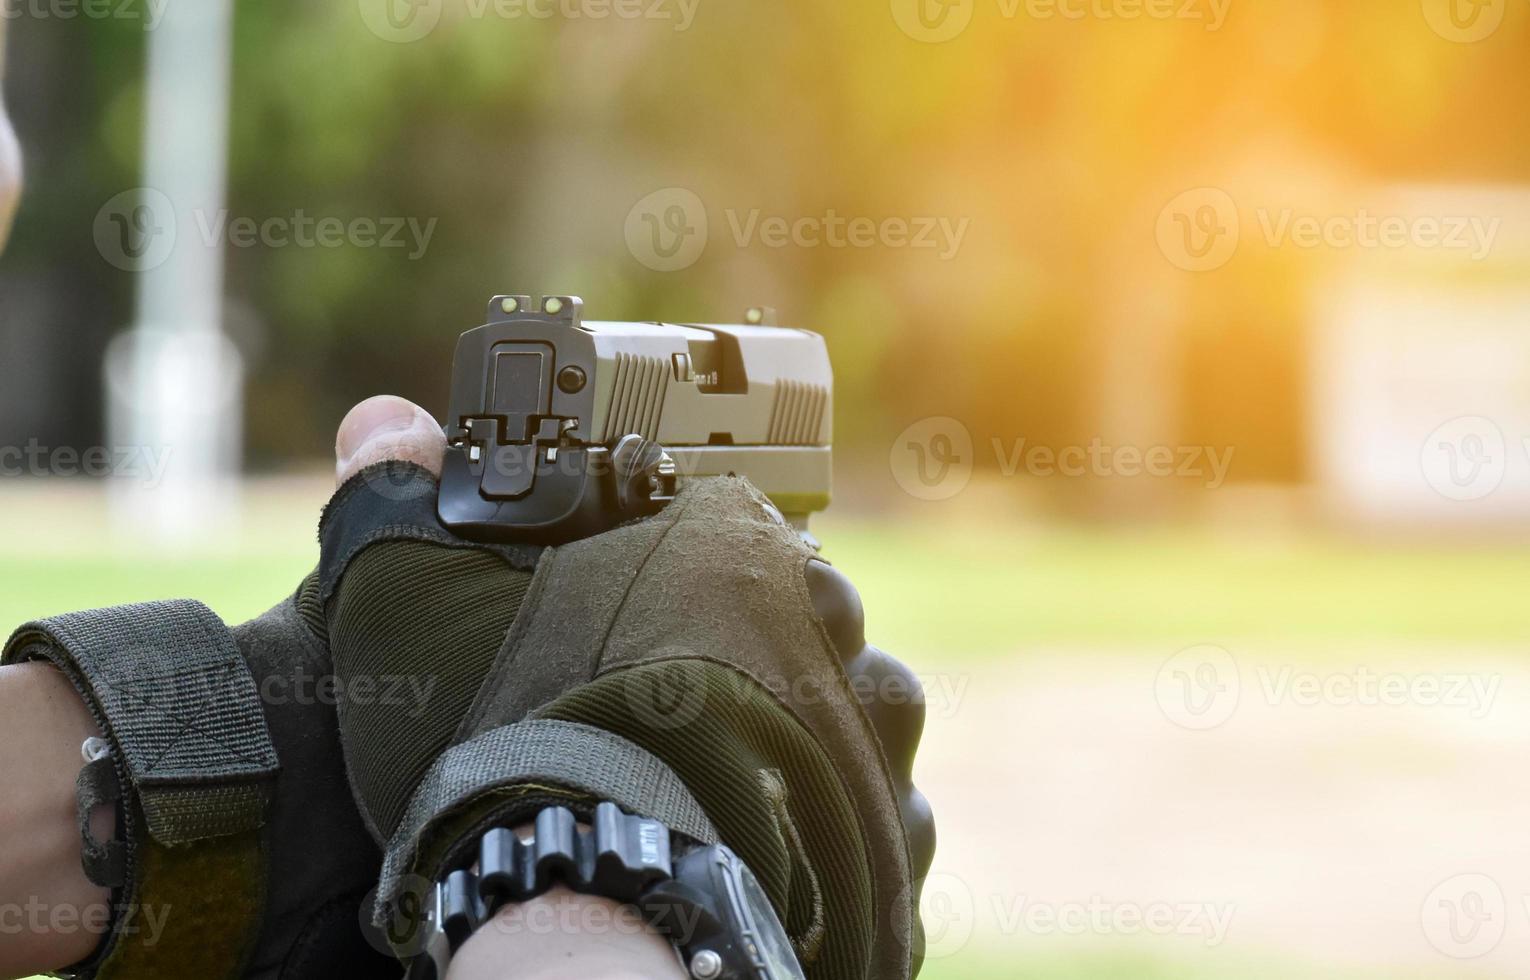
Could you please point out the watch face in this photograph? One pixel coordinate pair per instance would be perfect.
(775, 948)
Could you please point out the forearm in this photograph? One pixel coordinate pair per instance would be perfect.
(563, 935)
(50, 914)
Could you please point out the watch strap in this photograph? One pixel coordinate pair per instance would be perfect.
(588, 760)
(618, 856)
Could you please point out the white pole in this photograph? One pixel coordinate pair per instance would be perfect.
(175, 383)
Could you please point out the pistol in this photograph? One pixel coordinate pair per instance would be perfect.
(561, 428)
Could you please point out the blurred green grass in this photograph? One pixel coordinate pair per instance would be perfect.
(968, 591)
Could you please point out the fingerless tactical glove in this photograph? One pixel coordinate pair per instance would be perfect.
(708, 641)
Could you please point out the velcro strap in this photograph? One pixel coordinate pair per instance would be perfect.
(174, 696)
(575, 757)
(393, 500)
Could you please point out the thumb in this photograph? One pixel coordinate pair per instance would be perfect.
(387, 428)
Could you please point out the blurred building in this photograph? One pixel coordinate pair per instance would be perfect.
(1420, 362)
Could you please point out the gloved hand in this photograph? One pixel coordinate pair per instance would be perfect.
(710, 636)
(239, 850)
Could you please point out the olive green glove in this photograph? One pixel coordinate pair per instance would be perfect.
(709, 636)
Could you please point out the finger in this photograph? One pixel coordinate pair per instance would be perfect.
(387, 428)
(890, 693)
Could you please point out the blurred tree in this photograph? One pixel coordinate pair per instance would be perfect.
(522, 144)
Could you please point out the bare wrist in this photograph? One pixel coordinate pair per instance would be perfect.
(562, 935)
(41, 878)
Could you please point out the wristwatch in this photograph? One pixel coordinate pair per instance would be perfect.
(703, 899)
